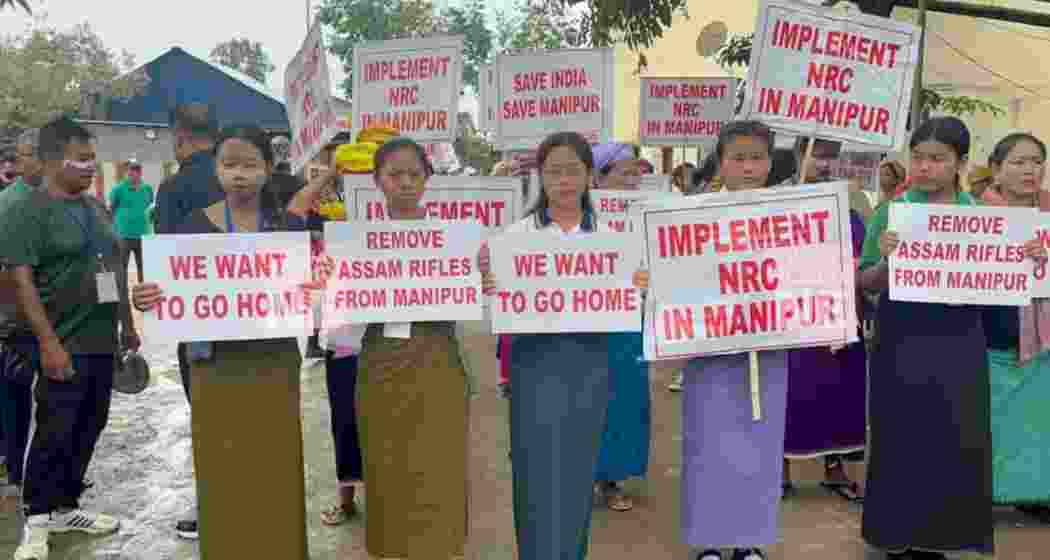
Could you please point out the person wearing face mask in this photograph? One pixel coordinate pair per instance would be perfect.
(71, 297)
(1018, 340)
(731, 464)
(929, 388)
(828, 383)
(229, 446)
(625, 442)
(560, 380)
(129, 201)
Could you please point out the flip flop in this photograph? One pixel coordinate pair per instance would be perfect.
(787, 490)
(849, 491)
(338, 514)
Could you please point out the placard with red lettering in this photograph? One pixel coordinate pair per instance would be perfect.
(493, 202)
(822, 73)
(402, 271)
(685, 111)
(1041, 287)
(307, 95)
(240, 286)
(612, 208)
(961, 254)
(750, 270)
(655, 183)
(410, 84)
(553, 284)
(542, 92)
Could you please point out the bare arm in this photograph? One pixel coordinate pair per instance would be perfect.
(307, 198)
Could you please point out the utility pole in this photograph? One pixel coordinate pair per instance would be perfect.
(916, 95)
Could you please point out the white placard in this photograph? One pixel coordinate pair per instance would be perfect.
(402, 271)
(410, 84)
(1041, 288)
(240, 286)
(817, 72)
(493, 202)
(656, 183)
(308, 100)
(961, 254)
(539, 93)
(581, 283)
(685, 111)
(612, 208)
(746, 271)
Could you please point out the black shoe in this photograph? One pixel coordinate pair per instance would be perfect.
(187, 529)
(710, 554)
(748, 554)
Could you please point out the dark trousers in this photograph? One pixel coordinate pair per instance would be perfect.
(341, 376)
(184, 370)
(129, 246)
(17, 405)
(68, 419)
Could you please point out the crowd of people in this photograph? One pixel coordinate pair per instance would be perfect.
(955, 386)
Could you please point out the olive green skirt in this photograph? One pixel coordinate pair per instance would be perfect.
(248, 451)
(412, 419)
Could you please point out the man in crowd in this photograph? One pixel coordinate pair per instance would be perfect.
(70, 294)
(7, 169)
(16, 403)
(129, 201)
(195, 186)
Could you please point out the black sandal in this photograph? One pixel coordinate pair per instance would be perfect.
(787, 490)
(848, 490)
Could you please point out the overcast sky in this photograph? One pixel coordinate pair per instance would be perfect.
(148, 28)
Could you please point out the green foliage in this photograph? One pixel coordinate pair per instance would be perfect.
(244, 56)
(474, 151)
(470, 22)
(45, 72)
(532, 26)
(638, 23)
(737, 53)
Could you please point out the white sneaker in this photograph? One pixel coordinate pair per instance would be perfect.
(84, 522)
(34, 539)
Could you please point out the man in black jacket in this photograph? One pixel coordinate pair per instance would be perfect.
(195, 186)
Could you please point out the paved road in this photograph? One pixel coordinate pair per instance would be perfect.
(143, 473)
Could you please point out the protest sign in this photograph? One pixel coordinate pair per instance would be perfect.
(746, 271)
(409, 84)
(539, 93)
(685, 111)
(1041, 287)
(612, 208)
(816, 72)
(308, 100)
(493, 202)
(549, 284)
(655, 183)
(402, 271)
(862, 166)
(228, 286)
(961, 254)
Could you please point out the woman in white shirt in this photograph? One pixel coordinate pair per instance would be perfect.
(561, 381)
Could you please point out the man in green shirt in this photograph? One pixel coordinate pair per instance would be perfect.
(129, 201)
(70, 295)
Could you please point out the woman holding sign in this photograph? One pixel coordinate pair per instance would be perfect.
(412, 406)
(729, 458)
(260, 376)
(929, 387)
(1019, 348)
(625, 442)
(561, 381)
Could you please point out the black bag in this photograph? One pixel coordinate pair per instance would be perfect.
(15, 367)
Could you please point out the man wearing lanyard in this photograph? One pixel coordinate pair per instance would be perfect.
(70, 293)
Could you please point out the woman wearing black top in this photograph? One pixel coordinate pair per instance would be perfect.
(247, 432)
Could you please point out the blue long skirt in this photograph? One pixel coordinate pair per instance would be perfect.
(625, 442)
(561, 392)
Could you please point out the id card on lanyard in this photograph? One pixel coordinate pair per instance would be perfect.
(105, 280)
